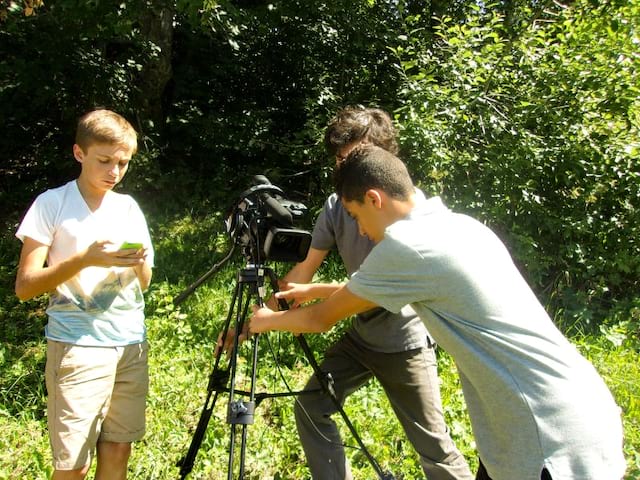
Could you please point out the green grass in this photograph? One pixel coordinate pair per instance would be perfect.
(181, 357)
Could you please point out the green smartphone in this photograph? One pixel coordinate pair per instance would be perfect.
(130, 245)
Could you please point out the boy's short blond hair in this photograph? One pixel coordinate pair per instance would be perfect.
(105, 126)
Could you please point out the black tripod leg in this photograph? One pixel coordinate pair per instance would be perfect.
(216, 379)
(252, 396)
(235, 407)
(242, 413)
(186, 463)
(327, 387)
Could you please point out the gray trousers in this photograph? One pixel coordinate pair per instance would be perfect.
(410, 380)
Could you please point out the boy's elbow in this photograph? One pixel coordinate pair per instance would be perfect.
(322, 326)
(26, 288)
(22, 293)
(146, 281)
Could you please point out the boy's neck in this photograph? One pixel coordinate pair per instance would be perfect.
(92, 196)
(402, 208)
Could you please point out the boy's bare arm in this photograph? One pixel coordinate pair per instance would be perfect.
(304, 271)
(143, 273)
(295, 285)
(34, 278)
(301, 293)
(316, 318)
(301, 272)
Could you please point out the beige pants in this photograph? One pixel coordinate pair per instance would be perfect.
(94, 394)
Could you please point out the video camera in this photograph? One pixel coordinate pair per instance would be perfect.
(262, 222)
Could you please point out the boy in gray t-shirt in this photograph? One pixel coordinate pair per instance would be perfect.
(538, 409)
(395, 348)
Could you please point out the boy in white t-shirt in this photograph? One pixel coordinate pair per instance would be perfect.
(90, 249)
(538, 409)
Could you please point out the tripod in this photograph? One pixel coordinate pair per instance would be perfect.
(240, 414)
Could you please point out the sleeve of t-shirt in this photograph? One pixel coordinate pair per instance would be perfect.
(323, 236)
(38, 222)
(140, 230)
(391, 276)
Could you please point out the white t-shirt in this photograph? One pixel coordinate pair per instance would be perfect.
(98, 306)
(533, 400)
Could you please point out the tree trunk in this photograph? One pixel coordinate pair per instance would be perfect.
(156, 24)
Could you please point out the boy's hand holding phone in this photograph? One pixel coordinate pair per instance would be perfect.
(131, 246)
(132, 250)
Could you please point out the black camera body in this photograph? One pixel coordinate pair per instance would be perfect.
(263, 222)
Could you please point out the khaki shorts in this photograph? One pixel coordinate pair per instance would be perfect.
(94, 394)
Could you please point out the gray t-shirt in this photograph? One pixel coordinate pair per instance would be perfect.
(533, 400)
(377, 329)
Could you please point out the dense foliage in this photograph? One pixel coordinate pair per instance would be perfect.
(523, 113)
(537, 132)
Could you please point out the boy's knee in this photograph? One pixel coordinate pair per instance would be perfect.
(318, 407)
(114, 452)
(77, 474)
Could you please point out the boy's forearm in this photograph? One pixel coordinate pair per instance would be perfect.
(300, 320)
(299, 274)
(316, 318)
(34, 282)
(324, 290)
(143, 272)
(303, 272)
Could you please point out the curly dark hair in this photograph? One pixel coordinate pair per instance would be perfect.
(357, 123)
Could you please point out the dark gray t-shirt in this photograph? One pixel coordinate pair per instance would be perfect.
(377, 329)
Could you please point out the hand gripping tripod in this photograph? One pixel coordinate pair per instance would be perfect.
(250, 285)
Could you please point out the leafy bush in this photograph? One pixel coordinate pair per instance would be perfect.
(537, 135)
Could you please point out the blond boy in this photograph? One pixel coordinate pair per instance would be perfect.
(74, 248)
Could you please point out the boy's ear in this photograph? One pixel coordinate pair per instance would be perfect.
(374, 196)
(78, 153)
